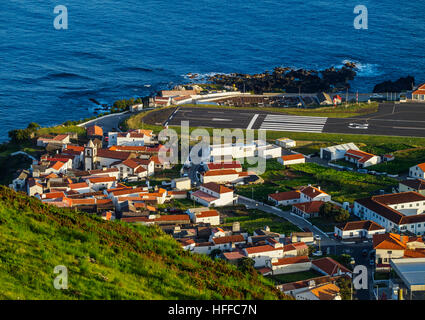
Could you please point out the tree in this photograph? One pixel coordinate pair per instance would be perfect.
(344, 284)
(246, 264)
(343, 216)
(215, 253)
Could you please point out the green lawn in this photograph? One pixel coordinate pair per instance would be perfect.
(251, 220)
(293, 277)
(327, 225)
(403, 161)
(61, 129)
(341, 185)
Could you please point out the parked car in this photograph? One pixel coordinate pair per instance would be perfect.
(317, 238)
(318, 253)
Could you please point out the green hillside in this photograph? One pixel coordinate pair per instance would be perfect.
(107, 260)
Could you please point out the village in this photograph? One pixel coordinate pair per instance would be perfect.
(119, 176)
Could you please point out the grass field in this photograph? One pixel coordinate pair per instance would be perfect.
(81, 131)
(251, 220)
(341, 185)
(404, 159)
(293, 277)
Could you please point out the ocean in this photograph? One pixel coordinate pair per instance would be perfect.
(131, 48)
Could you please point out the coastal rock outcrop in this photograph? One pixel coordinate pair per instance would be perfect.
(291, 80)
(402, 84)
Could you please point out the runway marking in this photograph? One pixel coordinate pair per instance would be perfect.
(411, 128)
(293, 123)
(254, 118)
(218, 119)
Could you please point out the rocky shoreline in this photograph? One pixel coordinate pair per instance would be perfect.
(291, 80)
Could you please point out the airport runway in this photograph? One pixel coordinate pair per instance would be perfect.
(391, 120)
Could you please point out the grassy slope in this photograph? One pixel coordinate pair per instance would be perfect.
(106, 260)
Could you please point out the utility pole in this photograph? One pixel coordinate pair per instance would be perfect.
(346, 98)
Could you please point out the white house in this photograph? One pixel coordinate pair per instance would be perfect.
(286, 143)
(60, 139)
(181, 183)
(220, 176)
(267, 151)
(34, 187)
(417, 171)
(397, 212)
(310, 193)
(262, 254)
(227, 152)
(204, 215)
(131, 168)
(229, 165)
(213, 194)
(419, 94)
(137, 137)
(289, 265)
(291, 159)
(101, 183)
(358, 229)
(228, 243)
(336, 152)
(285, 198)
(361, 159)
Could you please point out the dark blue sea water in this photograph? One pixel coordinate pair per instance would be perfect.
(113, 49)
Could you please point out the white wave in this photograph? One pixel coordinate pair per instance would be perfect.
(365, 70)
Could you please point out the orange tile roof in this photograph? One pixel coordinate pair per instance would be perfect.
(260, 249)
(309, 207)
(390, 241)
(360, 225)
(74, 148)
(60, 137)
(289, 195)
(223, 172)
(229, 239)
(292, 157)
(311, 191)
(330, 266)
(326, 292)
(94, 131)
(421, 166)
(217, 188)
(359, 155)
(80, 185)
(102, 180)
(224, 165)
(291, 260)
(57, 165)
(206, 214)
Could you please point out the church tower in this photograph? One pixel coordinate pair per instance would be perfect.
(90, 152)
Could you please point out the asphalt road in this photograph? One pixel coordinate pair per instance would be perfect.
(109, 122)
(392, 120)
